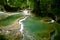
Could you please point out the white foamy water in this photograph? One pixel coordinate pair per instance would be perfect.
(25, 12)
(21, 23)
(22, 26)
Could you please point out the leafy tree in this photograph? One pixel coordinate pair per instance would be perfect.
(37, 9)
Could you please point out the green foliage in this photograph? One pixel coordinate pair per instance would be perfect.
(1, 2)
(16, 3)
(47, 7)
(43, 7)
(3, 37)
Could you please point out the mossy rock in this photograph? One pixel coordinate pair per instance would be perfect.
(3, 16)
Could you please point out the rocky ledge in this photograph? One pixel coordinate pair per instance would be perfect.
(12, 32)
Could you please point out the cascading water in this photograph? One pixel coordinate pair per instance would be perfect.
(21, 22)
(22, 26)
(25, 35)
(25, 12)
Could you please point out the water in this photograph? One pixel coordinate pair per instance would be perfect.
(37, 30)
(32, 29)
(21, 22)
(25, 35)
(25, 12)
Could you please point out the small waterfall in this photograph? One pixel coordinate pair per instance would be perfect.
(21, 22)
(22, 26)
(25, 12)
(25, 35)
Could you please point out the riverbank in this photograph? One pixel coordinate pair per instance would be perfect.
(10, 27)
